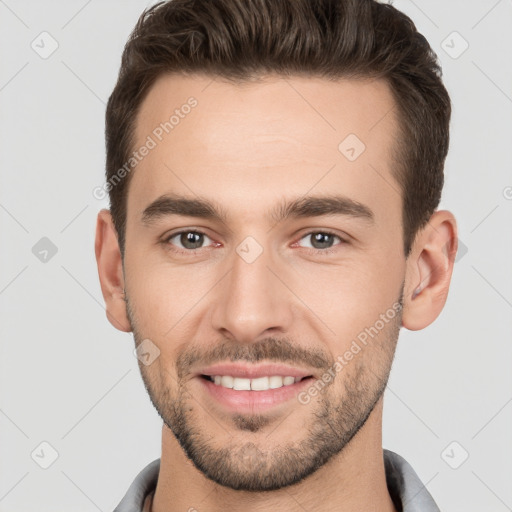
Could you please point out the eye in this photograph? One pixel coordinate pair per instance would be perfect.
(187, 241)
(321, 241)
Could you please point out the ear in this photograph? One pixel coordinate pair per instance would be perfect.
(110, 270)
(429, 270)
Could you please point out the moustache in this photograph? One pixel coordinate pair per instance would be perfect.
(278, 350)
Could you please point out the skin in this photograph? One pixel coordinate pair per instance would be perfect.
(246, 148)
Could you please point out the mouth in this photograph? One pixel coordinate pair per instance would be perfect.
(253, 388)
(256, 384)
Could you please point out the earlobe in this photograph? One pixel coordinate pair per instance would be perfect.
(110, 271)
(429, 271)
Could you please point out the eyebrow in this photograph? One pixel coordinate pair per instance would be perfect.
(308, 206)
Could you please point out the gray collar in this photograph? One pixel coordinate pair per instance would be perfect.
(405, 488)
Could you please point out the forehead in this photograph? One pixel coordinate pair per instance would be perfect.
(264, 138)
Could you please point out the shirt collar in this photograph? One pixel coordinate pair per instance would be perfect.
(405, 488)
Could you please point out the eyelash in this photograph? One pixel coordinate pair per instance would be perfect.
(330, 250)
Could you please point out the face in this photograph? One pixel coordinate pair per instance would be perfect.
(264, 261)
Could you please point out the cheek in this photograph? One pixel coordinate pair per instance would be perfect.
(164, 294)
(168, 303)
(351, 295)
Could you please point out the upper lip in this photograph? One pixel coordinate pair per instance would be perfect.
(253, 371)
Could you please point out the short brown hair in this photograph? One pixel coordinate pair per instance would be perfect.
(239, 40)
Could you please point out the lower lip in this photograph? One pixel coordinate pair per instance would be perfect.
(253, 401)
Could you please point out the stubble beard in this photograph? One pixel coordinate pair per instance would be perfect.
(340, 412)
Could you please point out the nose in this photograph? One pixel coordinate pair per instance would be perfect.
(251, 301)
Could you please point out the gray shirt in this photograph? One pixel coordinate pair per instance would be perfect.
(405, 488)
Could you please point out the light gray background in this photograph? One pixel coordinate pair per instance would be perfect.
(68, 378)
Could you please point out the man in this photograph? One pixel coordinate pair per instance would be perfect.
(274, 169)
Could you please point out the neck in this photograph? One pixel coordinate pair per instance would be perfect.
(354, 480)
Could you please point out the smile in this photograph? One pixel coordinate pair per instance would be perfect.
(257, 384)
(238, 387)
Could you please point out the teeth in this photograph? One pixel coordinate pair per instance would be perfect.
(226, 381)
(258, 384)
(275, 382)
(240, 383)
